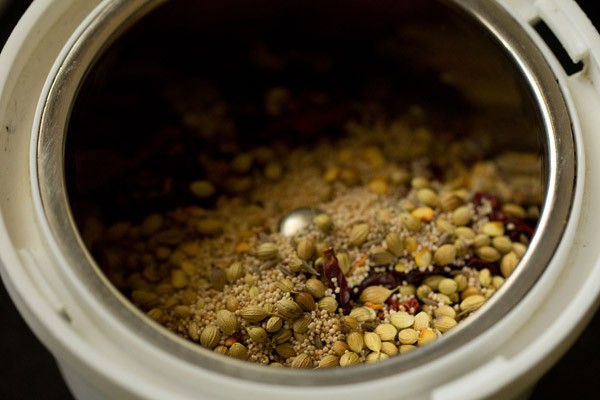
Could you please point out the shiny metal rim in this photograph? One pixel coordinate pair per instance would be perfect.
(553, 115)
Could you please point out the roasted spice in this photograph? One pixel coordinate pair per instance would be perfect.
(395, 257)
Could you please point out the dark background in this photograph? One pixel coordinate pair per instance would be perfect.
(28, 370)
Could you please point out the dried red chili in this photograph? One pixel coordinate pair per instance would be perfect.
(518, 227)
(411, 306)
(479, 197)
(394, 279)
(495, 213)
(392, 304)
(331, 272)
(387, 279)
(395, 305)
(479, 264)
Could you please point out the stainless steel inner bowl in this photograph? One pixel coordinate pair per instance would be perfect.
(465, 58)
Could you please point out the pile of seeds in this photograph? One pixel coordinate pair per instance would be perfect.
(397, 254)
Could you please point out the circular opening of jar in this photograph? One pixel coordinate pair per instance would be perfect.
(422, 141)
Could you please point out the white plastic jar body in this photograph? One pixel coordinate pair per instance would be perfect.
(101, 359)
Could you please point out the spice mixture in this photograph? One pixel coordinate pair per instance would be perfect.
(406, 241)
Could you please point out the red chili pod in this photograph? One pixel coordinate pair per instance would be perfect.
(331, 272)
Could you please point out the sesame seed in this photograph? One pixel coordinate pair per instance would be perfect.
(173, 270)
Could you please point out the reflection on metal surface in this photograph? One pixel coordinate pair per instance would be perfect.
(296, 220)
